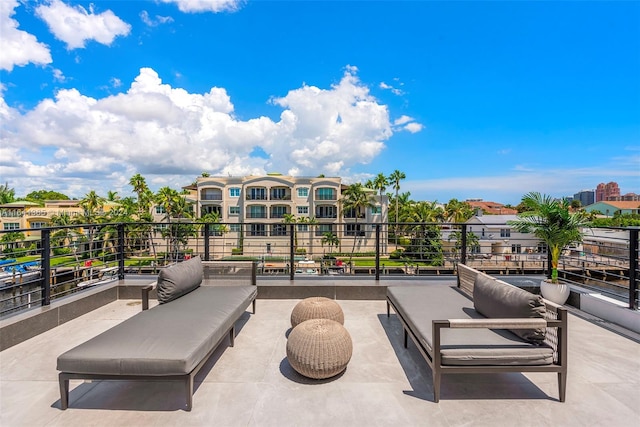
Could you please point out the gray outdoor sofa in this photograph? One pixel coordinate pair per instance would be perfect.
(171, 341)
(483, 325)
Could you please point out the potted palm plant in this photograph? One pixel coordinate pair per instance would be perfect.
(551, 221)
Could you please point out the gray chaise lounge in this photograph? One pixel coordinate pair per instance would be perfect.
(516, 332)
(171, 341)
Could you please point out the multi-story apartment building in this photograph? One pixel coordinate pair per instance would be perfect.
(256, 211)
(603, 191)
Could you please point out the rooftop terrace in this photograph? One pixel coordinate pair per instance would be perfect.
(252, 384)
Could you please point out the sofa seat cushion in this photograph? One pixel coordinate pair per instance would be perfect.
(179, 279)
(496, 299)
(420, 305)
(169, 339)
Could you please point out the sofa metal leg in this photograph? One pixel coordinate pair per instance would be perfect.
(189, 390)
(64, 391)
(406, 337)
(562, 385)
(253, 306)
(436, 385)
(388, 309)
(232, 336)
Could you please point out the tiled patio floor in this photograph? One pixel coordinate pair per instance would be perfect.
(252, 384)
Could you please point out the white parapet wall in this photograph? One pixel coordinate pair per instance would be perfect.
(611, 310)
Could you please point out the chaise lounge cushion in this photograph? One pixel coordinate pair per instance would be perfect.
(495, 299)
(170, 339)
(179, 279)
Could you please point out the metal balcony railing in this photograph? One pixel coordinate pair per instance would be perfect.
(39, 265)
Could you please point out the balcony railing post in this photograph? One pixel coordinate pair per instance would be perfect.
(207, 232)
(377, 252)
(633, 268)
(45, 258)
(463, 249)
(121, 232)
(291, 251)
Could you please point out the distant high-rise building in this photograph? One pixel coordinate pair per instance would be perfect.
(585, 197)
(603, 191)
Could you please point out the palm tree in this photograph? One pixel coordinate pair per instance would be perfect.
(7, 195)
(92, 204)
(380, 183)
(551, 221)
(394, 179)
(330, 239)
(139, 185)
(355, 198)
(291, 219)
(456, 211)
(312, 223)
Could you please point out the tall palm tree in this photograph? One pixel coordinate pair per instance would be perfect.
(291, 219)
(394, 179)
(139, 185)
(356, 199)
(92, 204)
(380, 183)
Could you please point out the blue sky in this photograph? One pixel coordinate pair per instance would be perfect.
(469, 99)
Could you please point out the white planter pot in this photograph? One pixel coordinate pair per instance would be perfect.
(558, 293)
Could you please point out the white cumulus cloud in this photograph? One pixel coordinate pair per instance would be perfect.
(215, 6)
(170, 134)
(76, 25)
(18, 47)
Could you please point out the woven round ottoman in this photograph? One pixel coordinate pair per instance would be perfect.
(319, 348)
(316, 308)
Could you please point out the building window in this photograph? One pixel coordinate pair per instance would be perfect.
(257, 212)
(11, 225)
(303, 227)
(39, 224)
(351, 213)
(212, 194)
(324, 228)
(303, 192)
(257, 193)
(278, 211)
(376, 210)
(303, 210)
(353, 230)
(516, 249)
(279, 230)
(160, 227)
(215, 210)
(326, 194)
(258, 230)
(505, 232)
(279, 194)
(235, 228)
(160, 210)
(326, 212)
(234, 210)
(234, 192)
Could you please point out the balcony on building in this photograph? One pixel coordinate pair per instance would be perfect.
(256, 211)
(211, 194)
(279, 211)
(280, 193)
(256, 193)
(326, 212)
(326, 193)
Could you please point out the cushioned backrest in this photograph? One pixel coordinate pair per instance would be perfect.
(179, 279)
(492, 298)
